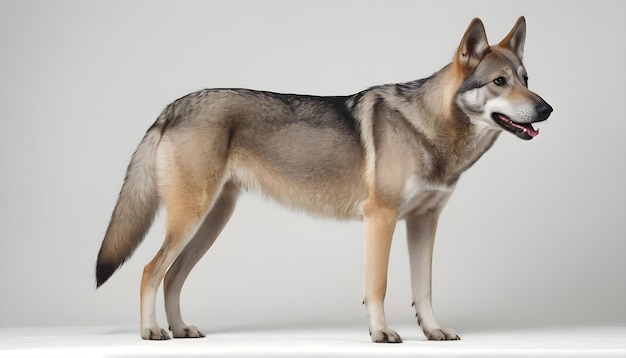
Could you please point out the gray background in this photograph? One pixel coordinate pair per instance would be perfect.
(533, 236)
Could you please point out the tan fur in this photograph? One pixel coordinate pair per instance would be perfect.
(388, 153)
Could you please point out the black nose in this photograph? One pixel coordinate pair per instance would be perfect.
(543, 110)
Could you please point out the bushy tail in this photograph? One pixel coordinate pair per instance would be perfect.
(135, 210)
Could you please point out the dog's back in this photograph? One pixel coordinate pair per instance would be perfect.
(387, 153)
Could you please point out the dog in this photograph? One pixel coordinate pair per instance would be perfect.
(388, 153)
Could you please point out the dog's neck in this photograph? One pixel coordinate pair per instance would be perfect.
(446, 125)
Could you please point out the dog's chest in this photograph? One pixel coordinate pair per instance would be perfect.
(420, 196)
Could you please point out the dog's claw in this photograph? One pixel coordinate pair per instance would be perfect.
(385, 336)
(442, 334)
(187, 332)
(155, 334)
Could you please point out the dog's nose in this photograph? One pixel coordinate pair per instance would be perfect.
(543, 110)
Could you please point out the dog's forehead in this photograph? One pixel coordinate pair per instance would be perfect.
(498, 60)
(507, 55)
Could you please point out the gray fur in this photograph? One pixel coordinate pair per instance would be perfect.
(387, 153)
(134, 211)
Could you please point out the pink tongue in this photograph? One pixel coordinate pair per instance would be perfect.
(532, 132)
(524, 127)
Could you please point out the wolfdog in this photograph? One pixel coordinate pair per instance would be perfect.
(388, 153)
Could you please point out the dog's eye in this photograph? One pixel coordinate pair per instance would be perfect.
(500, 81)
(526, 80)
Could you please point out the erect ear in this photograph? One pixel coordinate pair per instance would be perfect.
(473, 46)
(514, 41)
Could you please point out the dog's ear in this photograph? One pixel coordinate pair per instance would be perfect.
(514, 41)
(474, 45)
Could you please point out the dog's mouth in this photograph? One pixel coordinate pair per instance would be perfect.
(522, 130)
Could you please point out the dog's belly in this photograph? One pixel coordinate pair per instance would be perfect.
(339, 195)
(336, 193)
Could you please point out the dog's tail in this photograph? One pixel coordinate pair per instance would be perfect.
(136, 206)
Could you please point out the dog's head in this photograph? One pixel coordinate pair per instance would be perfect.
(494, 90)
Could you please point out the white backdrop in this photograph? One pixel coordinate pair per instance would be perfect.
(533, 236)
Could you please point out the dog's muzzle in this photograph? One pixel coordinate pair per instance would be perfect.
(524, 131)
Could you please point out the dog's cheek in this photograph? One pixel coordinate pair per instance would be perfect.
(471, 102)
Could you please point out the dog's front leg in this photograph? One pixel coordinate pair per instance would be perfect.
(380, 223)
(421, 239)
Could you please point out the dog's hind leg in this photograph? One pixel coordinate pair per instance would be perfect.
(189, 182)
(421, 230)
(182, 222)
(204, 238)
(380, 223)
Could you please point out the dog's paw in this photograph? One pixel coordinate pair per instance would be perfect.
(385, 336)
(442, 334)
(154, 334)
(187, 332)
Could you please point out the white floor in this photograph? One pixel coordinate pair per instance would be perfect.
(319, 342)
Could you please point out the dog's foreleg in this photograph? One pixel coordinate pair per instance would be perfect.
(421, 238)
(205, 237)
(379, 226)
